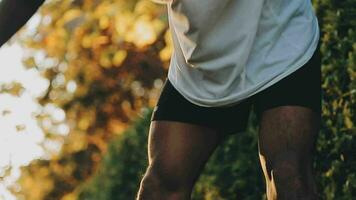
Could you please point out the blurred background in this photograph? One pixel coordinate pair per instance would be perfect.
(77, 86)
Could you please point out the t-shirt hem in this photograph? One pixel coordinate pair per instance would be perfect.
(235, 100)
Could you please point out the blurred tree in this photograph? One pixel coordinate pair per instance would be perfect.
(106, 61)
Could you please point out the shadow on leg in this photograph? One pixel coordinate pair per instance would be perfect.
(287, 137)
(177, 153)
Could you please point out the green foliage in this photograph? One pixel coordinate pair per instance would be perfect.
(336, 157)
(121, 169)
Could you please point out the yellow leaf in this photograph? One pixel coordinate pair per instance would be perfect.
(105, 60)
(334, 104)
(119, 57)
(100, 40)
(104, 22)
(123, 22)
(71, 14)
(87, 41)
(142, 33)
(348, 122)
(83, 124)
(165, 54)
(70, 196)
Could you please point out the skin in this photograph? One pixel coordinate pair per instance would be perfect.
(287, 135)
(178, 152)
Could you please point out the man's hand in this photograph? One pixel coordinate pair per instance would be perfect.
(14, 14)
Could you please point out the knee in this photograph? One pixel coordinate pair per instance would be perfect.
(287, 164)
(292, 171)
(169, 179)
(163, 182)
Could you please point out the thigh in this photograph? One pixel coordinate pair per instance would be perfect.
(287, 136)
(289, 114)
(288, 132)
(178, 151)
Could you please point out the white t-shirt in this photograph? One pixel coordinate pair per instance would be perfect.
(227, 50)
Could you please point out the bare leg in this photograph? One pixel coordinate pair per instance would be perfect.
(177, 153)
(286, 143)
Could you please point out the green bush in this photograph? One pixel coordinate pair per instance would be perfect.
(122, 167)
(336, 156)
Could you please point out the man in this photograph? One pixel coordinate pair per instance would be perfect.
(229, 55)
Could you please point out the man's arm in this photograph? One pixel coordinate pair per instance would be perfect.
(14, 14)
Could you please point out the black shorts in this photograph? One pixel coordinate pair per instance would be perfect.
(302, 88)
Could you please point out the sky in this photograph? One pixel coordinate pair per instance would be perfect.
(19, 148)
